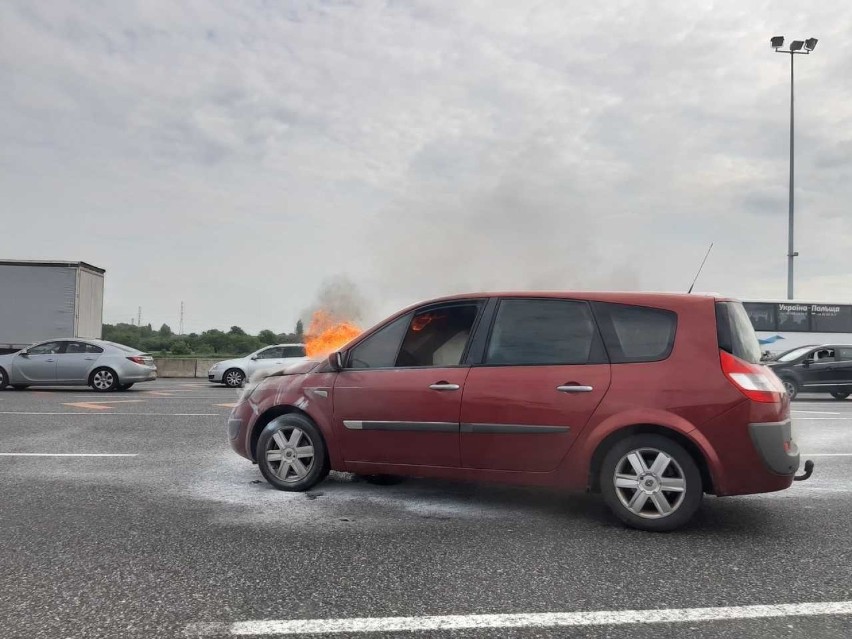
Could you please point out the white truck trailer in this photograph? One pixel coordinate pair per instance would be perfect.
(43, 300)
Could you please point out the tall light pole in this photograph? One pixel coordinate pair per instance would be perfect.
(795, 48)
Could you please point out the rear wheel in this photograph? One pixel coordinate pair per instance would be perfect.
(840, 395)
(124, 387)
(233, 378)
(3, 379)
(651, 482)
(104, 380)
(291, 453)
(791, 387)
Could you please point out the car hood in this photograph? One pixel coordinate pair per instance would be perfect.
(7, 359)
(297, 368)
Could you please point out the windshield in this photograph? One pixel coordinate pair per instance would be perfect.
(796, 353)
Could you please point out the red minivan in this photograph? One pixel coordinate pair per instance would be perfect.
(650, 399)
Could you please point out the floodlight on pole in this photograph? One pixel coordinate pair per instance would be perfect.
(795, 49)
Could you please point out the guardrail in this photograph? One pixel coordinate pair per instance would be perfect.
(183, 367)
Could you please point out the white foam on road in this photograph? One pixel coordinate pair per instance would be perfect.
(532, 620)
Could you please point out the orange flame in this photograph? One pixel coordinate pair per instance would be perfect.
(326, 334)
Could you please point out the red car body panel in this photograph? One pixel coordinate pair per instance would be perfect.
(687, 393)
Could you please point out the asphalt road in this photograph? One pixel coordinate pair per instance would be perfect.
(180, 538)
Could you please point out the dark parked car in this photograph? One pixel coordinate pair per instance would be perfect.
(651, 400)
(816, 369)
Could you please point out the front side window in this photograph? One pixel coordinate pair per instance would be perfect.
(380, 349)
(536, 332)
(271, 353)
(48, 348)
(438, 336)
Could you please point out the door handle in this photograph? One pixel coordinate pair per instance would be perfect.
(50, 360)
(574, 388)
(444, 386)
(90, 358)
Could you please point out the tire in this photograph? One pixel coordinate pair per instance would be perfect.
(791, 387)
(124, 387)
(634, 459)
(382, 480)
(233, 378)
(104, 380)
(20, 387)
(4, 379)
(839, 395)
(293, 434)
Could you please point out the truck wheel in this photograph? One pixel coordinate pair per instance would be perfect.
(651, 482)
(104, 380)
(3, 379)
(291, 453)
(233, 378)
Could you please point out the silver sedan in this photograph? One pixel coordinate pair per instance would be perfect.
(105, 366)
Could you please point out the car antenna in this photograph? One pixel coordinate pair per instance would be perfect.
(706, 255)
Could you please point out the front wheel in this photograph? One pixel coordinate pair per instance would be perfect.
(291, 453)
(651, 483)
(791, 387)
(233, 378)
(104, 380)
(840, 395)
(3, 379)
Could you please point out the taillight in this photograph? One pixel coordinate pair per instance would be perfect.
(136, 359)
(755, 381)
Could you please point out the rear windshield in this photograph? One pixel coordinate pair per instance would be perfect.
(122, 347)
(735, 332)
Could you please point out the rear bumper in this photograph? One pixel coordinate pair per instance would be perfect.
(139, 374)
(774, 443)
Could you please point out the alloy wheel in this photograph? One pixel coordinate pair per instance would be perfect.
(649, 483)
(103, 380)
(290, 454)
(234, 379)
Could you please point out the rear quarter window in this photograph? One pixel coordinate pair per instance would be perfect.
(636, 333)
(735, 332)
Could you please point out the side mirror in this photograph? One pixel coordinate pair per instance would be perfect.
(254, 358)
(24, 353)
(335, 360)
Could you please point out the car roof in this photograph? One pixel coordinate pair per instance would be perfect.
(625, 297)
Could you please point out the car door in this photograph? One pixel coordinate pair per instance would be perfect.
(543, 373)
(76, 361)
(398, 399)
(37, 364)
(818, 368)
(841, 373)
(271, 357)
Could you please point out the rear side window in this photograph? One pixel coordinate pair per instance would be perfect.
(294, 351)
(534, 331)
(735, 332)
(636, 333)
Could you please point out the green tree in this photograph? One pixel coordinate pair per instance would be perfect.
(165, 331)
(267, 337)
(300, 331)
(236, 330)
(180, 347)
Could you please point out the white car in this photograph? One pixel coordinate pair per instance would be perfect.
(234, 372)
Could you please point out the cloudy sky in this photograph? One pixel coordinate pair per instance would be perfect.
(236, 155)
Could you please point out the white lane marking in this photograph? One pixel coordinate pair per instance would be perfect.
(816, 412)
(12, 412)
(826, 454)
(531, 620)
(68, 454)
